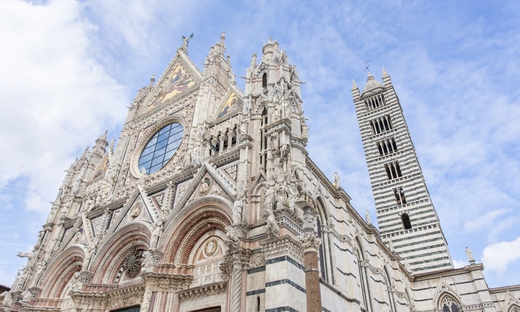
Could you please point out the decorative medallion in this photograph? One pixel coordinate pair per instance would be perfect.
(211, 248)
(132, 264)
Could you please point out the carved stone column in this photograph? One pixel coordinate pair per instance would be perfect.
(234, 264)
(310, 243)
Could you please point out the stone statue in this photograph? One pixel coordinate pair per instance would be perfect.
(232, 233)
(470, 256)
(75, 283)
(186, 41)
(271, 227)
(337, 181)
(89, 252)
(8, 300)
(157, 229)
(41, 266)
(238, 208)
(367, 217)
(147, 264)
(27, 296)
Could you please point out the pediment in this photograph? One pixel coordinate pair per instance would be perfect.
(231, 104)
(180, 77)
(208, 181)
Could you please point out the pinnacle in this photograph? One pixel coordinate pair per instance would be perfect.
(354, 86)
(385, 74)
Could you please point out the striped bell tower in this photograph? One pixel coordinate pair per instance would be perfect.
(407, 219)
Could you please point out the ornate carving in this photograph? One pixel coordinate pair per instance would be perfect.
(203, 291)
(256, 260)
(309, 240)
(132, 264)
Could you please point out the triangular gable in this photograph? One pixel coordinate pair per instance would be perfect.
(233, 102)
(180, 76)
(442, 289)
(207, 186)
(185, 191)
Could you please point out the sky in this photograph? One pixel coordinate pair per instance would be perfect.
(69, 70)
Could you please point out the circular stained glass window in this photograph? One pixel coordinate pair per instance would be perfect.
(161, 147)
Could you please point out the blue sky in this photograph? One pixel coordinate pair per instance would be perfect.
(69, 68)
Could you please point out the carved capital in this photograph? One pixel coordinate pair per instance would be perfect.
(309, 241)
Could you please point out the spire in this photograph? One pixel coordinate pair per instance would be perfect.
(386, 78)
(354, 85)
(385, 74)
(103, 137)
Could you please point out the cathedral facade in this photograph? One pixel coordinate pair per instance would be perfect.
(210, 202)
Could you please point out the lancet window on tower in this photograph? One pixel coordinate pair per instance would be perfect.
(375, 102)
(406, 221)
(386, 147)
(399, 196)
(264, 81)
(381, 124)
(393, 170)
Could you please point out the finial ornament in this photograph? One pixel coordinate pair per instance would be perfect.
(367, 65)
(469, 253)
(222, 37)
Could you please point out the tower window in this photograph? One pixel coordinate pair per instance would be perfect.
(264, 80)
(399, 196)
(393, 170)
(381, 124)
(375, 102)
(406, 221)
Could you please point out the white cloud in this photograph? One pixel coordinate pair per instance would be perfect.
(484, 221)
(56, 97)
(496, 257)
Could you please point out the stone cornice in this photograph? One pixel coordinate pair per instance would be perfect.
(449, 272)
(203, 291)
(504, 289)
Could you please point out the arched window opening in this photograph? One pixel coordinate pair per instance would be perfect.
(406, 221)
(321, 252)
(388, 172)
(264, 80)
(394, 145)
(392, 168)
(399, 195)
(398, 169)
(448, 304)
(387, 127)
(514, 308)
(258, 303)
(379, 148)
(385, 149)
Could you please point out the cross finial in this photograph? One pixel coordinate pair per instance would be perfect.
(367, 65)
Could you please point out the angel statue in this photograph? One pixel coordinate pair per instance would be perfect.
(186, 41)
